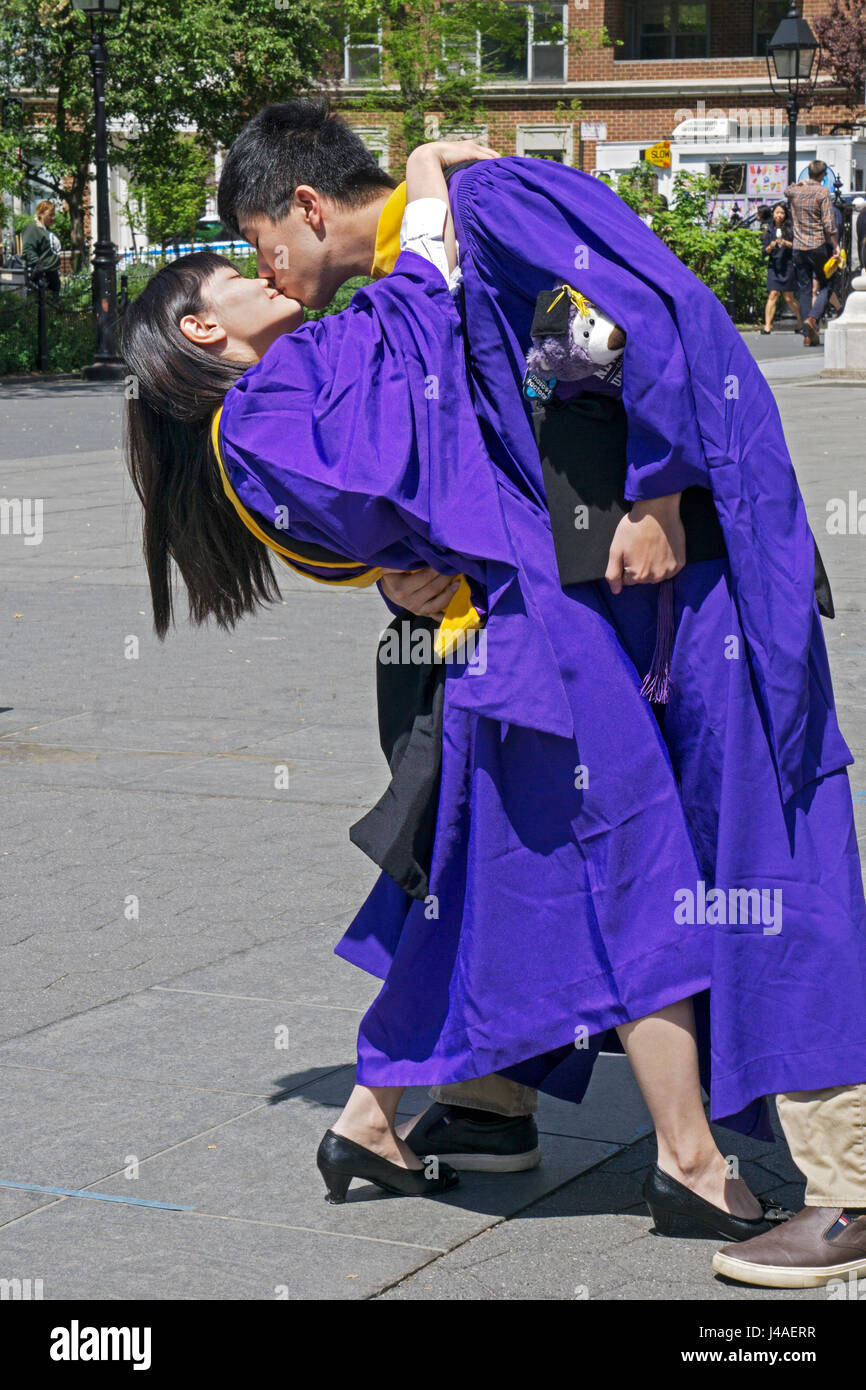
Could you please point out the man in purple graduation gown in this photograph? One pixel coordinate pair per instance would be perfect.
(766, 798)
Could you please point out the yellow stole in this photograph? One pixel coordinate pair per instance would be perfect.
(362, 580)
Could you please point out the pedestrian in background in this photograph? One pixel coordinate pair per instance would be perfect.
(777, 236)
(764, 214)
(40, 248)
(816, 239)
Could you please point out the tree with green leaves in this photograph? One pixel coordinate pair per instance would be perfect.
(638, 187)
(713, 247)
(167, 195)
(201, 63)
(441, 54)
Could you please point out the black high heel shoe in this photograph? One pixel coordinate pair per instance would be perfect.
(340, 1160)
(677, 1211)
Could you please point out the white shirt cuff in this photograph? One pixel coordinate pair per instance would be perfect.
(423, 231)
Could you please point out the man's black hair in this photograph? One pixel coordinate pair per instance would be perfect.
(290, 143)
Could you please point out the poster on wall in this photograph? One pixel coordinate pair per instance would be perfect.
(767, 180)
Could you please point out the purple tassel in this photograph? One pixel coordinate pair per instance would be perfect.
(657, 682)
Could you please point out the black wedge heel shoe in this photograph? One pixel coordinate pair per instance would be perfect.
(677, 1211)
(340, 1160)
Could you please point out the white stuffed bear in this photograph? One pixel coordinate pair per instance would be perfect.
(572, 338)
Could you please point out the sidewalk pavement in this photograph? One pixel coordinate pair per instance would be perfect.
(175, 1032)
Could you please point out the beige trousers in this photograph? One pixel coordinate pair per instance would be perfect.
(825, 1130)
(492, 1092)
(826, 1133)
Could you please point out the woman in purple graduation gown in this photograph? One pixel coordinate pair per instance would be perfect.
(584, 861)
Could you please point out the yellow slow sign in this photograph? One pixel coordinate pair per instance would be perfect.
(659, 155)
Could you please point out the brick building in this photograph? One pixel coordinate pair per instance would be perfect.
(664, 61)
(661, 62)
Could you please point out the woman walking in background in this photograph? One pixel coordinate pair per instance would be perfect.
(778, 242)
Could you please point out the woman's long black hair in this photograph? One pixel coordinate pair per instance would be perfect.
(188, 520)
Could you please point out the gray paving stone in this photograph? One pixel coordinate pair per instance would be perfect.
(573, 1245)
(261, 1166)
(298, 967)
(97, 1250)
(195, 1040)
(62, 1130)
(17, 1201)
(244, 776)
(503, 1264)
(612, 1109)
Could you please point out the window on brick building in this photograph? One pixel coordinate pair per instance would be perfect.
(768, 16)
(460, 46)
(437, 129)
(505, 53)
(357, 52)
(731, 177)
(555, 142)
(377, 141)
(527, 45)
(657, 30)
(547, 42)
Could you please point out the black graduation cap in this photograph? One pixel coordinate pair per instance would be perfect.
(551, 313)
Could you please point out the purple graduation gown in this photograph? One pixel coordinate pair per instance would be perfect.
(569, 824)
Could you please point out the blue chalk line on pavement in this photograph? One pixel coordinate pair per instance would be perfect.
(96, 1196)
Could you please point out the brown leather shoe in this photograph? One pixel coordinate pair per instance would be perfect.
(797, 1255)
(811, 335)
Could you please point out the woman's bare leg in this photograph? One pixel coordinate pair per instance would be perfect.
(368, 1120)
(663, 1053)
(662, 1050)
(770, 310)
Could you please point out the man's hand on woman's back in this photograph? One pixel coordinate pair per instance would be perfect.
(423, 592)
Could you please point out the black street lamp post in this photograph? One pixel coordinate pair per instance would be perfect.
(107, 365)
(792, 50)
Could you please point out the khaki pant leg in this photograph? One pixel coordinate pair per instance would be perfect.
(826, 1133)
(495, 1093)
